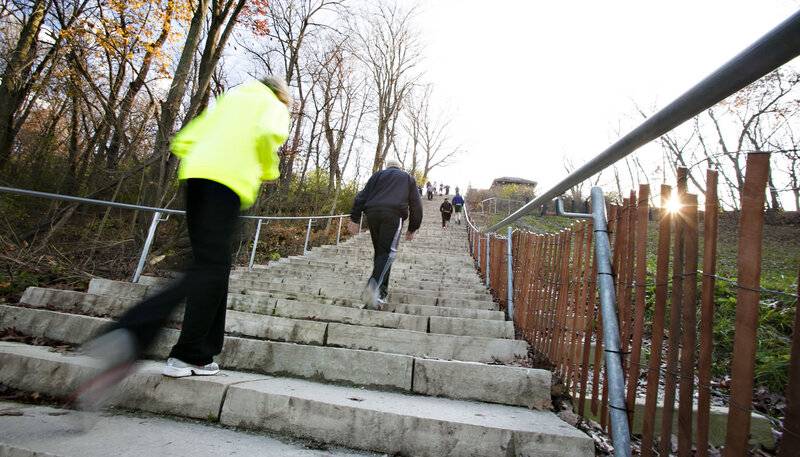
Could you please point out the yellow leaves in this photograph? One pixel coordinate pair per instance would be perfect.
(183, 11)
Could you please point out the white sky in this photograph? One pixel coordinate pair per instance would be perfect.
(528, 82)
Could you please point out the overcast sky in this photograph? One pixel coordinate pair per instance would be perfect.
(528, 83)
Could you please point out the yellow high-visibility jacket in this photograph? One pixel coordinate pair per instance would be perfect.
(235, 142)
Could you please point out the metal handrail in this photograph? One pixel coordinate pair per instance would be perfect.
(152, 209)
(469, 221)
(560, 211)
(774, 49)
(471, 231)
(158, 212)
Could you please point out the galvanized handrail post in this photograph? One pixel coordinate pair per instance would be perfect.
(339, 231)
(488, 256)
(510, 259)
(148, 242)
(308, 235)
(478, 257)
(620, 433)
(560, 211)
(255, 243)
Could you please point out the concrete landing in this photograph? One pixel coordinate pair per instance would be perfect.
(48, 431)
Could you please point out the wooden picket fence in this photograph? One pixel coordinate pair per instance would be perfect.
(556, 309)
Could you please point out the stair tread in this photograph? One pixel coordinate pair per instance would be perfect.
(308, 409)
(50, 431)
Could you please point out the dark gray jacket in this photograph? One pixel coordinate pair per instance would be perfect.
(391, 189)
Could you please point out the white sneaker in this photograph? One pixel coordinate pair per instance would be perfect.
(370, 296)
(176, 368)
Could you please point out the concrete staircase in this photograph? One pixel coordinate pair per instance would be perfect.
(436, 373)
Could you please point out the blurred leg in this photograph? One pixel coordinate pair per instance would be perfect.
(212, 220)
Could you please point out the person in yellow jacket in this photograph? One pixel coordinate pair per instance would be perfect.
(226, 153)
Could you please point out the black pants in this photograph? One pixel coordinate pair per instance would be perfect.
(212, 213)
(445, 218)
(384, 228)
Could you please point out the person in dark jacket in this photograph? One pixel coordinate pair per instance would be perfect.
(458, 206)
(389, 198)
(447, 210)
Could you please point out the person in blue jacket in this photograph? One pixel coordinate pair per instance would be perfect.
(458, 206)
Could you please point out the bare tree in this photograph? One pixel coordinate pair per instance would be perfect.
(388, 46)
(293, 24)
(427, 138)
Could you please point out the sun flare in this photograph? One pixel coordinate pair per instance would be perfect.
(673, 204)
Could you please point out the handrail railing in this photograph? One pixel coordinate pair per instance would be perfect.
(92, 201)
(774, 49)
(560, 211)
(158, 212)
(466, 217)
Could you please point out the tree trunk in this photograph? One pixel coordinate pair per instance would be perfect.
(214, 44)
(120, 137)
(775, 199)
(13, 83)
(170, 108)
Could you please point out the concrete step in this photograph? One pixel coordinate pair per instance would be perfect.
(428, 345)
(431, 324)
(461, 286)
(365, 260)
(348, 291)
(254, 281)
(453, 379)
(387, 422)
(47, 431)
(405, 298)
(405, 255)
(276, 273)
(99, 286)
(365, 265)
(418, 246)
(400, 267)
(366, 368)
(262, 326)
(275, 328)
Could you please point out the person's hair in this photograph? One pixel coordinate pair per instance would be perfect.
(393, 163)
(279, 88)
